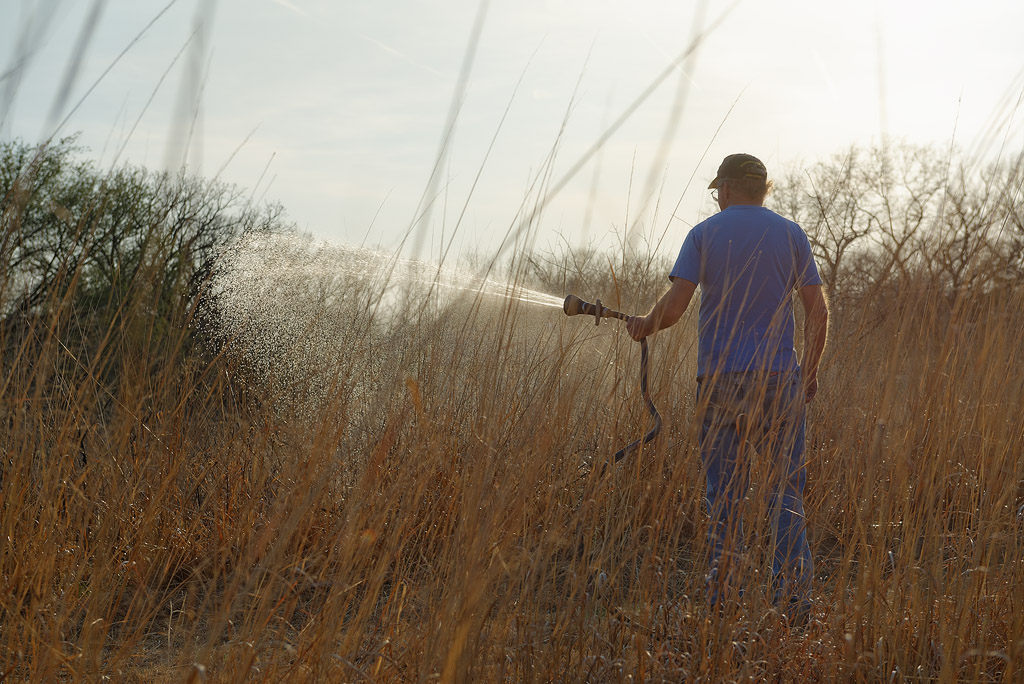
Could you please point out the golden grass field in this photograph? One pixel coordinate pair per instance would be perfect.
(338, 493)
(309, 467)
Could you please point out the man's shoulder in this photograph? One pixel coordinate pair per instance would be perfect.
(770, 214)
(740, 216)
(744, 213)
(766, 215)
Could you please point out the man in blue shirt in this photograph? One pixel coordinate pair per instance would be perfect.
(752, 388)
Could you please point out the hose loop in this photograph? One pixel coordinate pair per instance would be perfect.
(651, 408)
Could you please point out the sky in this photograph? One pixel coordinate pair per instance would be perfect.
(441, 126)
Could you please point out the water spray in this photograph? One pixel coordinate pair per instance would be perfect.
(574, 306)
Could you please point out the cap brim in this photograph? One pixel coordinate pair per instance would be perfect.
(714, 184)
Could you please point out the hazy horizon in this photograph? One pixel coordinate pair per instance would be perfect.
(339, 112)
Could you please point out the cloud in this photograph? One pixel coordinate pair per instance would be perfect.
(292, 7)
(395, 53)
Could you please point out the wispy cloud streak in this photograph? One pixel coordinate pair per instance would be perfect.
(400, 55)
(294, 8)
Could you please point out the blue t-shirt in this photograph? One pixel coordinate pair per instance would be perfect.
(748, 261)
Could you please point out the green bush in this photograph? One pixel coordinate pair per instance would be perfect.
(127, 248)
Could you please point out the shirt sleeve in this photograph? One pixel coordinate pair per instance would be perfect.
(806, 269)
(687, 264)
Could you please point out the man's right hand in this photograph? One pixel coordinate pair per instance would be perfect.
(638, 327)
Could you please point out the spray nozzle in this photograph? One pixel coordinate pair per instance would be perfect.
(574, 306)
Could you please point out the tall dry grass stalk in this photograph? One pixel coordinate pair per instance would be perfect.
(433, 513)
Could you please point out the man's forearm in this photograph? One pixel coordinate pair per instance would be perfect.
(665, 313)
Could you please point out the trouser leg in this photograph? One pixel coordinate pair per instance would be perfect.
(721, 452)
(792, 563)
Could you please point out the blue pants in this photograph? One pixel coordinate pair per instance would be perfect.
(761, 416)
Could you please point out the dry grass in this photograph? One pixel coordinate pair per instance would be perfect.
(425, 517)
(408, 494)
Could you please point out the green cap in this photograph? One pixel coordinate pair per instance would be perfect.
(739, 166)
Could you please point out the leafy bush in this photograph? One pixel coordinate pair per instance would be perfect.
(111, 245)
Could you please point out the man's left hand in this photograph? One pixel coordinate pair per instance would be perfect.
(810, 389)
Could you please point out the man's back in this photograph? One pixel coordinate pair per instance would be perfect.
(748, 261)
